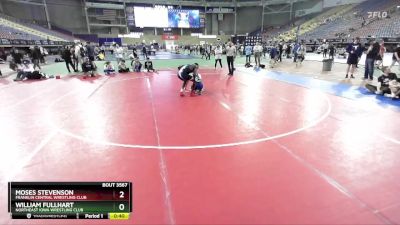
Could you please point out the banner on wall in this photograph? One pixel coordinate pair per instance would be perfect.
(110, 41)
(395, 40)
(220, 10)
(170, 37)
(30, 42)
(130, 16)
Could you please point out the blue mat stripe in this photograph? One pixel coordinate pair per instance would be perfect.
(342, 90)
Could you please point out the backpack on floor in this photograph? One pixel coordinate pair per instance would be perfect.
(247, 65)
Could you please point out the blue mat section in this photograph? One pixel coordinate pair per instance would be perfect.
(342, 90)
(159, 55)
(169, 55)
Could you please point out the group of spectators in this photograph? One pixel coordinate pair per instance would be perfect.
(297, 51)
(85, 55)
(207, 49)
(375, 52)
(123, 68)
(82, 54)
(328, 49)
(27, 63)
(276, 50)
(388, 82)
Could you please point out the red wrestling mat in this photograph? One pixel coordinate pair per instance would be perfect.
(250, 150)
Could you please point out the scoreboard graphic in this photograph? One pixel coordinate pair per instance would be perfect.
(71, 200)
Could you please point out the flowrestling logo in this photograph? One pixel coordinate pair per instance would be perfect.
(378, 14)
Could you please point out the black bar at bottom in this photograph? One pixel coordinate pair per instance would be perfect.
(33, 216)
(9, 194)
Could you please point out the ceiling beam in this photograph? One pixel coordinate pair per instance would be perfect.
(26, 2)
(204, 3)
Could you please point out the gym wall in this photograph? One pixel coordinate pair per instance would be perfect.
(68, 14)
(248, 19)
(24, 11)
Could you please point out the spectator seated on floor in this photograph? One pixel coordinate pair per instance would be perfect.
(148, 65)
(136, 65)
(384, 81)
(394, 86)
(26, 71)
(122, 68)
(108, 68)
(88, 67)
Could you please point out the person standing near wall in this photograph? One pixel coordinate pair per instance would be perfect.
(208, 52)
(77, 56)
(90, 49)
(332, 51)
(230, 56)
(382, 50)
(396, 57)
(36, 57)
(43, 52)
(218, 56)
(257, 53)
(355, 50)
(288, 51)
(247, 51)
(295, 48)
(280, 48)
(144, 51)
(265, 50)
(325, 49)
(241, 50)
(112, 49)
(67, 56)
(300, 54)
(16, 59)
(372, 54)
(103, 49)
(284, 47)
(119, 53)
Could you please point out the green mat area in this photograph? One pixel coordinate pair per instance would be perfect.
(160, 64)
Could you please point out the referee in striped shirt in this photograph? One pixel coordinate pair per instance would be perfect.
(230, 56)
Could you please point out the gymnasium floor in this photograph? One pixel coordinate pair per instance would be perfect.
(261, 147)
